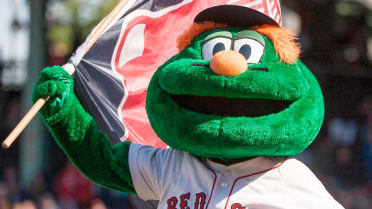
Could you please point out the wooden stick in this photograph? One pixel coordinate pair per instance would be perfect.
(24, 122)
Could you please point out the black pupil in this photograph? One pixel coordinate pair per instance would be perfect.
(218, 47)
(246, 51)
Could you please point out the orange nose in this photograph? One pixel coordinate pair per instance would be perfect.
(228, 63)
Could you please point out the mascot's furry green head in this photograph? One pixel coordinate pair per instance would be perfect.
(236, 90)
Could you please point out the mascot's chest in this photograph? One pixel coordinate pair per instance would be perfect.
(182, 181)
(251, 184)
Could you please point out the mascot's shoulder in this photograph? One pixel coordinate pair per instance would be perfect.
(304, 186)
(297, 173)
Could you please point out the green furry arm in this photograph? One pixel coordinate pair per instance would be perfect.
(77, 134)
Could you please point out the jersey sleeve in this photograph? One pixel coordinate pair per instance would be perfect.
(304, 188)
(152, 168)
(143, 167)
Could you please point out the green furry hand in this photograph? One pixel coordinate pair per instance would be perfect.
(76, 132)
(56, 83)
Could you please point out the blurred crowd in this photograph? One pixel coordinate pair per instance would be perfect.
(68, 190)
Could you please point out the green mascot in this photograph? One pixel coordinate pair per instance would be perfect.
(234, 105)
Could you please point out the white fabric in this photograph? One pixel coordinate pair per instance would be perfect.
(180, 180)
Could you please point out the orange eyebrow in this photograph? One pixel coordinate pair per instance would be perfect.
(285, 42)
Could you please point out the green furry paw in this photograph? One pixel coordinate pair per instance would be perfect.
(56, 83)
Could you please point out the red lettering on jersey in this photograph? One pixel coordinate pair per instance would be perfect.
(200, 200)
(184, 201)
(172, 203)
(237, 206)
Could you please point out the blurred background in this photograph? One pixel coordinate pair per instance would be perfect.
(336, 36)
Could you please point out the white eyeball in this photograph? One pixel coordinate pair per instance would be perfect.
(213, 46)
(251, 49)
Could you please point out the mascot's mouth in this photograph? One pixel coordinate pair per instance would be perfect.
(222, 106)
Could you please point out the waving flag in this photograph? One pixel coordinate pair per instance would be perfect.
(115, 64)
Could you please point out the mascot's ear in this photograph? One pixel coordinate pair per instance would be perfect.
(194, 30)
(285, 42)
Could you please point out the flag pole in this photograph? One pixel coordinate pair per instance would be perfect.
(24, 122)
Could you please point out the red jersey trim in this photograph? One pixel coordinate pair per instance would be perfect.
(237, 179)
(214, 183)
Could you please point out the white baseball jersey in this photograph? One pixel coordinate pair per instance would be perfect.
(182, 181)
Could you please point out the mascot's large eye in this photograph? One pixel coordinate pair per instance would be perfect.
(212, 47)
(252, 50)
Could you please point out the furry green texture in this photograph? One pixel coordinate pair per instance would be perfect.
(286, 133)
(76, 132)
